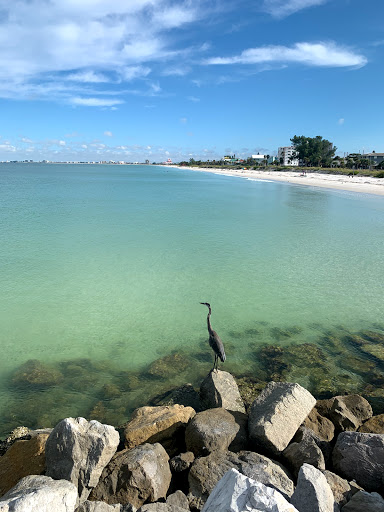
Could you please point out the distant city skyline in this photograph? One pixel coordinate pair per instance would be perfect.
(92, 80)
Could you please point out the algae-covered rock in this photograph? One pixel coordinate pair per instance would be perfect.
(250, 388)
(34, 373)
(272, 360)
(168, 366)
(373, 336)
(182, 395)
(305, 355)
(280, 334)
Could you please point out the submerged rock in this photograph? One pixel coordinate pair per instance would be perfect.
(168, 366)
(249, 388)
(35, 374)
(182, 395)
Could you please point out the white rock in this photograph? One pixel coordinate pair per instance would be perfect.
(40, 494)
(78, 451)
(219, 389)
(238, 493)
(277, 413)
(312, 493)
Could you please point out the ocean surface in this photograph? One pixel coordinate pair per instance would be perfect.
(103, 268)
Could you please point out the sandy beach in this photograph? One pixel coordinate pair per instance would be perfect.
(363, 184)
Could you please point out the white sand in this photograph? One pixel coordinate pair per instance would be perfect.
(366, 185)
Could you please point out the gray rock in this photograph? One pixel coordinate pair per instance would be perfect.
(358, 456)
(40, 493)
(178, 499)
(237, 493)
(78, 451)
(312, 493)
(135, 476)
(340, 488)
(207, 471)
(219, 389)
(216, 429)
(306, 451)
(100, 506)
(277, 413)
(364, 501)
(181, 462)
(349, 412)
(160, 507)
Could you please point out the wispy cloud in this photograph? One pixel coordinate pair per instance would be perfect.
(95, 102)
(87, 77)
(283, 8)
(193, 99)
(341, 121)
(107, 133)
(326, 54)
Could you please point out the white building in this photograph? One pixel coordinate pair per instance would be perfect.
(259, 158)
(286, 154)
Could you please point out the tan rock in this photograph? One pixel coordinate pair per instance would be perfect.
(322, 426)
(23, 458)
(164, 424)
(374, 425)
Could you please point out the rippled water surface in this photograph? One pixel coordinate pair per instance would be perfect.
(103, 269)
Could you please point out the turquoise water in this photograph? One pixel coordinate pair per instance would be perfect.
(109, 263)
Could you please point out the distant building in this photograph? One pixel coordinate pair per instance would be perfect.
(285, 156)
(230, 159)
(168, 162)
(374, 158)
(258, 158)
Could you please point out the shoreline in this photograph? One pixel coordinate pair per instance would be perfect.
(360, 184)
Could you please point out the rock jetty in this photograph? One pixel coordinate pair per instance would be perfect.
(284, 452)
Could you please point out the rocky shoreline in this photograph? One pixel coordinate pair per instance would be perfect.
(285, 452)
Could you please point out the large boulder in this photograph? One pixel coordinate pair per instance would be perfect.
(161, 507)
(359, 456)
(305, 451)
(24, 457)
(100, 506)
(312, 493)
(365, 502)
(374, 425)
(33, 373)
(135, 476)
(207, 471)
(219, 389)
(163, 424)
(277, 413)
(40, 493)
(321, 426)
(340, 488)
(178, 499)
(216, 429)
(349, 412)
(237, 493)
(78, 451)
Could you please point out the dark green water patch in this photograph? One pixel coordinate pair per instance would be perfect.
(325, 361)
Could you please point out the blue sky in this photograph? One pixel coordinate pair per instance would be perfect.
(155, 79)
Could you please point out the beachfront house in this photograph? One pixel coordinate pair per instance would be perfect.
(259, 158)
(285, 155)
(374, 158)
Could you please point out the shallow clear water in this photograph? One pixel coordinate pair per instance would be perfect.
(110, 263)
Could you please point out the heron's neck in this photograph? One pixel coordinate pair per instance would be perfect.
(209, 321)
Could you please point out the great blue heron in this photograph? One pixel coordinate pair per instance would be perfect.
(214, 340)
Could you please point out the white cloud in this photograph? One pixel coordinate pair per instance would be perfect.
(312, 54)
(81, 42)
(25, 139)
(133, 72)
(62, 143)
(87, 77)
(183, 120)
(95, 102)
(341, 121)
(108, 133)
(282, 8)
(193, 98)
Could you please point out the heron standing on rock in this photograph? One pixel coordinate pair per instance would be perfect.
(214, 340)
